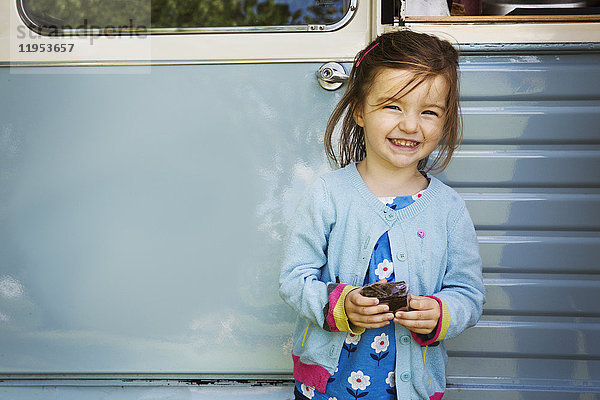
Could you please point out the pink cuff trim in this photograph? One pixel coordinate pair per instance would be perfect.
(311, 374)
(436, 396)
(334, 296)
(419, 338)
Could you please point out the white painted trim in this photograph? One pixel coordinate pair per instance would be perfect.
(340, 45)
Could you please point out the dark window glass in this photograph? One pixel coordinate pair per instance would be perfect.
(510, 8)
(58, 15)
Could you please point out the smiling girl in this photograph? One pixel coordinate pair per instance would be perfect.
(382, 217)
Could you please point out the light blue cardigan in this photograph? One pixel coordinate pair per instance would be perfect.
(330, 239)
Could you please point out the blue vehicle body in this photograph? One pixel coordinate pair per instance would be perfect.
(141, 218)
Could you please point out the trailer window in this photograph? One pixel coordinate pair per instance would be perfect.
(59, 17)
(489, 11)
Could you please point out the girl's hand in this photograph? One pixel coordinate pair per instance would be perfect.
(365, 312)
(425, 317)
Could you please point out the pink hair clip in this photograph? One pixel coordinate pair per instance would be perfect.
(366, 52)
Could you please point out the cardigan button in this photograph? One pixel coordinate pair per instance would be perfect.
(390, 216)
(332, 351)
(405, 377)
(401, 256)
(405, 339)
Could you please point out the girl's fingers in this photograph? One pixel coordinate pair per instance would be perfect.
(365, 305)
(371, 314)
(356, 298)
(423, 303)
(374, 310)
(373, 321)
(415, 315)
(366, 312)
(423, 306)
(422, 322)
(422, 327)
(417, 323)
(361, 300)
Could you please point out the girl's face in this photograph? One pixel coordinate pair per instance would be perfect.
(400, 131)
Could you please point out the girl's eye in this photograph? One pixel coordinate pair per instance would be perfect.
(391, 107)
(429, 112)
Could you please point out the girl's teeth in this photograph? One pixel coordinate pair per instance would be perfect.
(409, 143)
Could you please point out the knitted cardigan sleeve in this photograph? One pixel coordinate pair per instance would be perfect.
(305, 253)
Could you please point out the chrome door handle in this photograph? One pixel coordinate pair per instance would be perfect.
(331, 76)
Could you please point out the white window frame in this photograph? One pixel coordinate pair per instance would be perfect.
(251, 46)
(248, 45)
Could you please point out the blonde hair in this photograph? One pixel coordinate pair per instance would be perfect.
(426, 57)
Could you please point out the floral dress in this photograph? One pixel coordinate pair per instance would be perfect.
(366, 367)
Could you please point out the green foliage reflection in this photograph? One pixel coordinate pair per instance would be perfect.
(183, 13)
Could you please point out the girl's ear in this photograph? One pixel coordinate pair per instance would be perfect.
(357, 114)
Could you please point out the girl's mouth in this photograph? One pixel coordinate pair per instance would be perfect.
(404, 143)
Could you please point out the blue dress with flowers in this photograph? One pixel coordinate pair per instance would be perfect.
(367, 362)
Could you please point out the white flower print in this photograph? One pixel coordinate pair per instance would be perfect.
(308, 391)
(359, 380)
(333, 398)
(351, 338)
(384, 269)
(391, 379)
(351, 343)
(389, 201)
(380, 343)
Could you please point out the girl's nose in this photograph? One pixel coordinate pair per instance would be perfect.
(408, 123)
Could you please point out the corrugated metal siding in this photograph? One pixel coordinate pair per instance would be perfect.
(529, 171)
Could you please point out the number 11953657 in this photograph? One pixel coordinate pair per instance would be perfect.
(46, 48)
